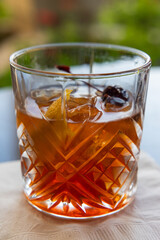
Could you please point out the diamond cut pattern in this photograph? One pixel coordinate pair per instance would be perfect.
(113, 169)
(108, 168)
(66, 170)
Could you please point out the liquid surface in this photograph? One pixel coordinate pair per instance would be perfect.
(83, 167)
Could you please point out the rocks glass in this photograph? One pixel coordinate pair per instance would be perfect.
(80, 110)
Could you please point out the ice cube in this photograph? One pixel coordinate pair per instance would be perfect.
(82, 109)
(115, 99)
(32, 108)
(115, 104)
(45, 94)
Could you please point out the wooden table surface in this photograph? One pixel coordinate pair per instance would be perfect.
(150, 140)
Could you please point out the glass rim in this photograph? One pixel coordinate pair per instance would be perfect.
(135, 51)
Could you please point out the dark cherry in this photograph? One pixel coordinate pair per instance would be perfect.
(115, 95)
(63, 68)
(115, 101)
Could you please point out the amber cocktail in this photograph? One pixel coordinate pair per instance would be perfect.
(80, 110)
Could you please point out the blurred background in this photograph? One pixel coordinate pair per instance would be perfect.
(25, 23)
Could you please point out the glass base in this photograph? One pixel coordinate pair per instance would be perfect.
(93, 212)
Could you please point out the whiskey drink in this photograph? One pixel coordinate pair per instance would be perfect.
(84, 167)
(80, 110)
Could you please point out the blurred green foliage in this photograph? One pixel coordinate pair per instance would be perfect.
(130, 23)
(69, 31)
(138, 24)
(5, 79)
(4, 12)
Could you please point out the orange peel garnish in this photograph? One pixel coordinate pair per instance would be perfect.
(55, 112)
(55, 109)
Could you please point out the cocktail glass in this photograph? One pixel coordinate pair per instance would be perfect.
(80, 110)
